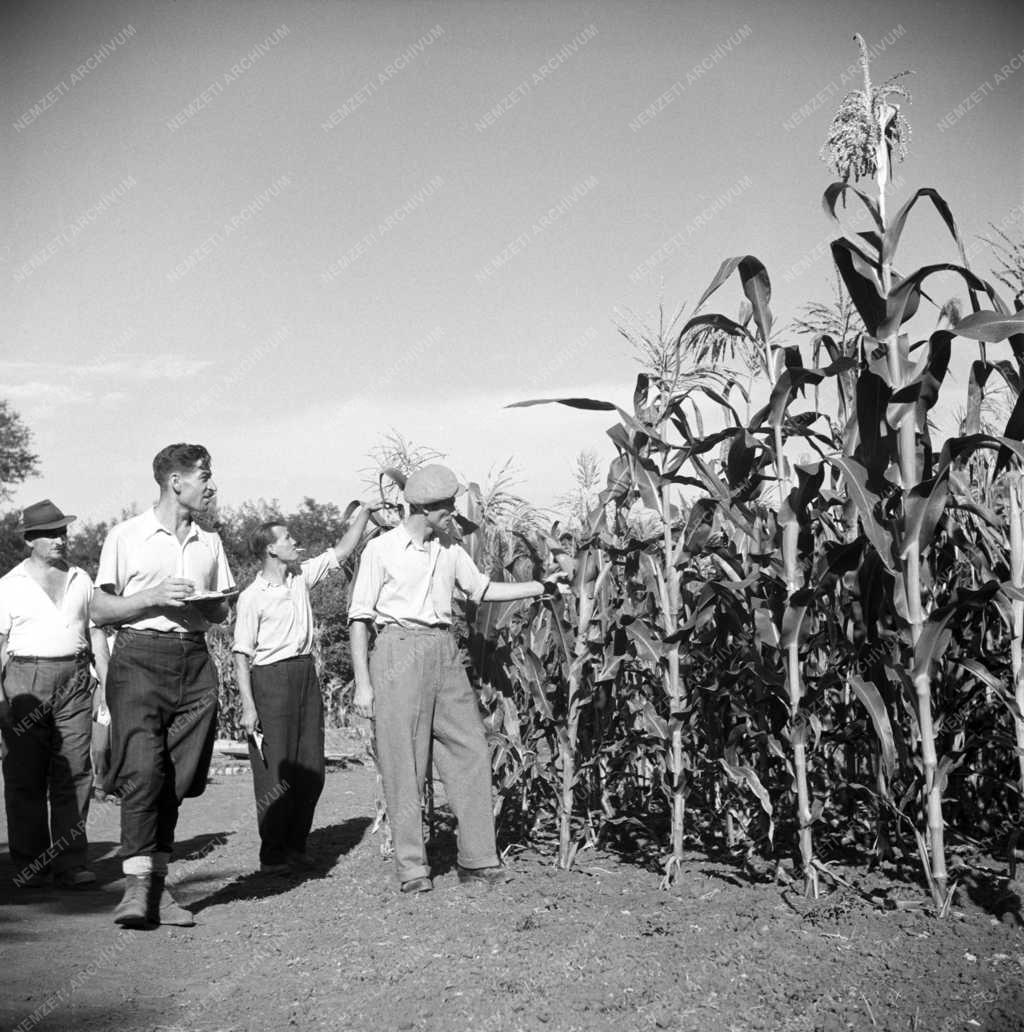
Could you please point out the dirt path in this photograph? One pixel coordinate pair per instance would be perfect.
(601, 948)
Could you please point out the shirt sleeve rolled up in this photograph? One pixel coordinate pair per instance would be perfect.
(468, 576)
(247, 624)
(366, 591)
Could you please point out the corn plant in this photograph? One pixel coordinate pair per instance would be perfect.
(739, 621)
(892, 461)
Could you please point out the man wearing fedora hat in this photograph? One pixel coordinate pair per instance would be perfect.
(46, 703)
(415, 685)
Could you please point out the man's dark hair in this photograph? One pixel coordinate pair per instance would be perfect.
(178, 458)
(263, 537)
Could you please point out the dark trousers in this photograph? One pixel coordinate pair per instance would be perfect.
(289, 777)
(162, 696)
(48, 757)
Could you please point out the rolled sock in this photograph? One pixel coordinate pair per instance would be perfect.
(138, 864)
(160, 862)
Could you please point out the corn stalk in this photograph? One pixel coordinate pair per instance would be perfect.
(586, 592)
(673, 685)
(1016, 487)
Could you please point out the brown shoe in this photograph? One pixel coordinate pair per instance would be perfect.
(171, 912)
(497, 875)
(417, 885)
(134, 909)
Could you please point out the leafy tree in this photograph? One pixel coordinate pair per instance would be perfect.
(17, 460)
(85, 544)
(12, 544)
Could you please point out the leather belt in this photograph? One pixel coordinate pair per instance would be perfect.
(432, 629)
(149, 632)
(74, 657)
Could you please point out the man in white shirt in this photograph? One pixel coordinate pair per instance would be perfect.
(163, 582)
(46, 704)
(415, 685)
(280, 691)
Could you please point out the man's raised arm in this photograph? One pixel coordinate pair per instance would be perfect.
(354, 533)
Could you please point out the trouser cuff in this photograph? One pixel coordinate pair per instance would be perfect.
(476, 863)
(408, 873)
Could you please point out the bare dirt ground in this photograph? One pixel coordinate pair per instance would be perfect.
(599, 948)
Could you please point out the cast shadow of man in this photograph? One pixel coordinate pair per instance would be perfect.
(326, 845)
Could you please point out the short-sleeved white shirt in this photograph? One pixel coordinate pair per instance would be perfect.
(405, 583)
(34, 626)
(142, 553)
(275, 621)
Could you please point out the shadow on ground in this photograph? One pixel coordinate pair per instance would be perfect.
(101, 895)
(325, 847)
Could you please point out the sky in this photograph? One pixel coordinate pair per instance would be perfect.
(286, 230)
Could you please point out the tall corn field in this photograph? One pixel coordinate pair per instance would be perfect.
(794, 661)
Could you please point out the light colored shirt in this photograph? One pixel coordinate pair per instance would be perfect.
(275, 621)
(405, 583)
(142, 553)
(33, 625)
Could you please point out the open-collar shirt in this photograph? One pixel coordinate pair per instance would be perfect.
(141, 553)
(275, 621)
(34, 625)
(401, 581)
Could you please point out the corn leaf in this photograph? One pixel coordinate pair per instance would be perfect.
(654, 724)
(990, 326)
(792, 621)
(590, 404)
(756, 286)
(866, 502)
(934, 641)
(862, 283)
(902, 301)
(837, 191)
(894, 230)
(871, 698)
(925, 503)
(744, 775)
(648, 647)
(872, 398)
(764, 625)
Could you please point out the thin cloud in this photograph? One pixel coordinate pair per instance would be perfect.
(37, 391)
(119, 367)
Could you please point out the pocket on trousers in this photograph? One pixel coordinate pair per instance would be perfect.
(380, 665)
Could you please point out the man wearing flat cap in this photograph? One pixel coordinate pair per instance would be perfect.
(415, 685)
(46, 704)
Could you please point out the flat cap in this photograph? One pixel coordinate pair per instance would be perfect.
(431, 484)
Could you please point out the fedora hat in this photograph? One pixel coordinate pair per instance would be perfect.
(43, 515)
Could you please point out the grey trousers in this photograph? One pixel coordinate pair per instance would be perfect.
(48, 761)
(421, 692)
